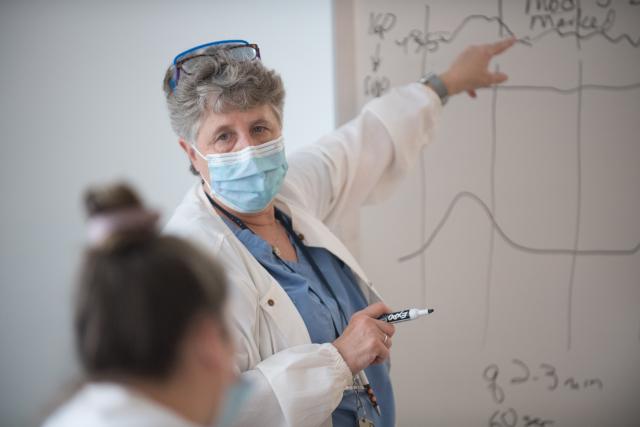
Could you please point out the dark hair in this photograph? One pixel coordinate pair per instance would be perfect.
(139, 291)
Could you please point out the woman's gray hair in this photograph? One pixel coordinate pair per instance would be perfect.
(219, 83)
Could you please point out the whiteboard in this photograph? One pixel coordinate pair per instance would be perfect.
(520, 224)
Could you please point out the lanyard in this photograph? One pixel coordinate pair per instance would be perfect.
(305, 251)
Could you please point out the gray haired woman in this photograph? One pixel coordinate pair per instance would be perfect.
(303, 311)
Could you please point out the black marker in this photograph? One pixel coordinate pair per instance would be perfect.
(404, 315)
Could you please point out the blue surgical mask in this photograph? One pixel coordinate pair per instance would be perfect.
(234, 398)
(249, 179)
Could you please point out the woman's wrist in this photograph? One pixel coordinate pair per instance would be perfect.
(342, 364)
(337, 346)
(450, 82)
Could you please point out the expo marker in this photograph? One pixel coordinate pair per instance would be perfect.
(404, 315)
(396, 317)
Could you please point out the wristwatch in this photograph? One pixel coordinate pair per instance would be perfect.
(435, 83)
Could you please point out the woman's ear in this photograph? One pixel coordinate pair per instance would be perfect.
(211, 344)
(194, 159)
(187, 148)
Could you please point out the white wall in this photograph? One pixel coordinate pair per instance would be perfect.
(81, 102)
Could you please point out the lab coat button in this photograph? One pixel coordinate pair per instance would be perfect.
(271, 302)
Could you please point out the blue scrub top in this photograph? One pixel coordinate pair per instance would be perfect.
(322, 316)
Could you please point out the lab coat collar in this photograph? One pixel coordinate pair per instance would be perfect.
(286, 316)
(316, 234)
(103, 404)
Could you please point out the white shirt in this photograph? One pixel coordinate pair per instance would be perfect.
(113, 405)
(298, 383)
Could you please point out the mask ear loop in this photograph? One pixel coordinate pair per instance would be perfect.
(207, 183)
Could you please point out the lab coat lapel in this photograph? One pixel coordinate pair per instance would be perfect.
(273, 301)
(317, 234)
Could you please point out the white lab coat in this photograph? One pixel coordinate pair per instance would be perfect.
(298, 383)
(113, 405)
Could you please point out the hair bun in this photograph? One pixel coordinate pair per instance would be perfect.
(115, 212)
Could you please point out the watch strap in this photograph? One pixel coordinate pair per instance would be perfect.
(436, 83)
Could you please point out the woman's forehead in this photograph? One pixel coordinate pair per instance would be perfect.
(263, 112)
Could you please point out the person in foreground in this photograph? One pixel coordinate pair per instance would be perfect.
(149, 325)
(304, 311)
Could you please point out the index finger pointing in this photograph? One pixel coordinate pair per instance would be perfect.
(501, 46)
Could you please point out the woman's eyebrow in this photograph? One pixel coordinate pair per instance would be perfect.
(261, 121)
(221, 128)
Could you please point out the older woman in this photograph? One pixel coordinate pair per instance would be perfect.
(303, 309)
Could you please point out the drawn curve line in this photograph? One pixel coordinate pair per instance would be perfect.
(465, 21)
(581, 36)
(509, 240)
(448, 37)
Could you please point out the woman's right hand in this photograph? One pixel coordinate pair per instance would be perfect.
(470, 70)
(363, 342)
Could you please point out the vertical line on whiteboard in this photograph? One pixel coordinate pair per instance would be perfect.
(423, 228)
(427, 14)
(494, 137)
(423, 182)
(494, 127)
(576, 238)
(577, 19)
(501, 33)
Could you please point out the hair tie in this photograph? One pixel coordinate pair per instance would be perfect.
(102, 226)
